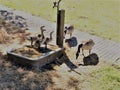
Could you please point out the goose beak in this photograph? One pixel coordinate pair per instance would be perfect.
(42, 26)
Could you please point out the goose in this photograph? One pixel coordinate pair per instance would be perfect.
(48, 39)
(35, 38)
(85, 45)
(42, 32)
(38, 41)
(69, 30)
(40, 38)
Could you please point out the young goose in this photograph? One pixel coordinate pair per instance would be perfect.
(85, 45)
(34, 39)
(42, 32)
(40, 38)
(38, 41)
(48, 39)
(69, 30)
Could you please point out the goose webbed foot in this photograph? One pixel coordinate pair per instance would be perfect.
(83, 53)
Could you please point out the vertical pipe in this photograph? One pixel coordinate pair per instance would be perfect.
(60, 27)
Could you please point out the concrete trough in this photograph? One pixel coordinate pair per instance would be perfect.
(39, 61)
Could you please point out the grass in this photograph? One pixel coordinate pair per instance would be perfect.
(106, 78)
(97, 17)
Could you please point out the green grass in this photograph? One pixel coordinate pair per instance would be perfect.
(106, 78)
(97, 17)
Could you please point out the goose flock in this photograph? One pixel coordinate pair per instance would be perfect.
(40, 39)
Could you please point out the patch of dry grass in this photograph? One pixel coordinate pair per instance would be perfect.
(73, 83)
(14, 77)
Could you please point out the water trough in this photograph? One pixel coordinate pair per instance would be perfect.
(44, 57)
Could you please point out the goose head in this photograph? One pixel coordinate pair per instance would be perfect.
(52, 32)
(39, 35)
(90, 40)
(42, 27)
(66, 27)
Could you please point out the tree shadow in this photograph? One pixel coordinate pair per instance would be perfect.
(72, 42)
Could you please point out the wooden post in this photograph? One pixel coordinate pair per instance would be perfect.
(60, 27)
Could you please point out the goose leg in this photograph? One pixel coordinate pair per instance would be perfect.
(89, 51)
(39, 45)
(70, 35)
(45, 46)
(83, 52)
(31, 43)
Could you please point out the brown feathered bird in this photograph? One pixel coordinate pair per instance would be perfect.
(48, 39)
(85, 45)
(69, 30)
